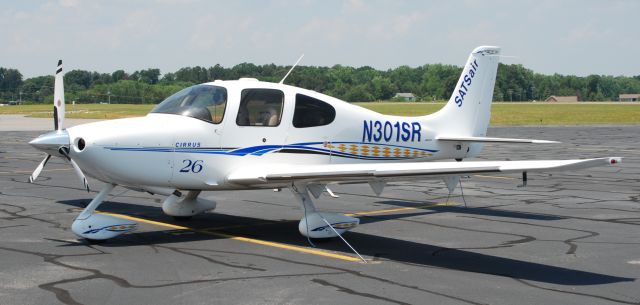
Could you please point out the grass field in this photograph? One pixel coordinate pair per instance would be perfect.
(532, 113)
(82, 111)
(502, 113)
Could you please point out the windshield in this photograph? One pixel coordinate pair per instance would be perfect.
(203, 102)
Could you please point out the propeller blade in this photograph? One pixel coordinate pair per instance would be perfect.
(38, 169)
(80, 175)
(58, 98)
(65, 152)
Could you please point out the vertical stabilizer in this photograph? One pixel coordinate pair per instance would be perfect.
(469, 109)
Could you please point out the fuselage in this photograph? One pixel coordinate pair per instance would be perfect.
(195, 138)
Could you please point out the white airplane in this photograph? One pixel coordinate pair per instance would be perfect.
(247, 134)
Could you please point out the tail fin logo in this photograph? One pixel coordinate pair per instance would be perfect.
(466, 83)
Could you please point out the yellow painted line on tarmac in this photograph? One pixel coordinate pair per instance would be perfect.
(240, 238)
(364, 213)
(496, 177)
(212, 232)
(31, 171)
(266, 223)
(376, 212)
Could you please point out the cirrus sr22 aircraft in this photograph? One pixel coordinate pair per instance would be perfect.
(247, 134)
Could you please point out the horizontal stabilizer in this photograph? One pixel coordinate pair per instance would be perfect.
(493, 140)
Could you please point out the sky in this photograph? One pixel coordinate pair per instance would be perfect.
(547, 36)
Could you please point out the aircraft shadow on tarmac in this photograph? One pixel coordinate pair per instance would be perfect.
(286, 232)
(483, 211)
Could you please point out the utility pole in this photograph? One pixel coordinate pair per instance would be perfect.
(20, 103)
(109, 95)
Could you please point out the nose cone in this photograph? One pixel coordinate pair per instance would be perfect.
(51, 142)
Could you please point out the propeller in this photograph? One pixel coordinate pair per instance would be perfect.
(56, 142)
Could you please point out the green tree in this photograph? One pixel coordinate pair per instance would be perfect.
(383, 88)
(148, 76)
(10, 79)
(79, 77)
(119, 75)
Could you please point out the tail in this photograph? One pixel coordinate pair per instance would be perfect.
(468, 111)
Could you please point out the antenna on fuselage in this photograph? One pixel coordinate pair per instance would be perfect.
(294, 65)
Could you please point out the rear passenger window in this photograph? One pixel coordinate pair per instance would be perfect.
(260, 107)
(312, 112)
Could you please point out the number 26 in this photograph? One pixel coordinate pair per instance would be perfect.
(191, 166)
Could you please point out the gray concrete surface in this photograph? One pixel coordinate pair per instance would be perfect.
(567, 238)
(19, 122)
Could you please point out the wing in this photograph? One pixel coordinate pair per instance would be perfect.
(368, 172)
(493, 140)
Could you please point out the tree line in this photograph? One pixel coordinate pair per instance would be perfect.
(428, 82)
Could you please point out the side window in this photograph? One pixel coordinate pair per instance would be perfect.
(260, 107)
(312, 112)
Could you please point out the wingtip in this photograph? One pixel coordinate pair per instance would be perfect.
(614, 160)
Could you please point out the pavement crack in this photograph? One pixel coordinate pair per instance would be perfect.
(353, 292)
(526, 283)
(570, 242)
(17, 215)
(355, 273)
(521, 240)
(186, 252)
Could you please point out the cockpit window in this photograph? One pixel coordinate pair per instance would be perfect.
(260, 107)
(312, 112)
(203, 102)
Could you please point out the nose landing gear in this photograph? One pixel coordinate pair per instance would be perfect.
(183, 207)
(98, 227)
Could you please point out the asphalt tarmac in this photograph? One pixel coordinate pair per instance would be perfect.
(566, 238)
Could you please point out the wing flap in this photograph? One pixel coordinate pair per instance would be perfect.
(338, 173)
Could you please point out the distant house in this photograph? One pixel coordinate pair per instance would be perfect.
(562, 99)
(407, 97)
(634, 97)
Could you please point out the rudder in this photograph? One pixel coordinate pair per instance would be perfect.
(469, 109)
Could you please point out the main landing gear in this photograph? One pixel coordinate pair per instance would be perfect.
(321, 224)
(183, 207)
(314, 224)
